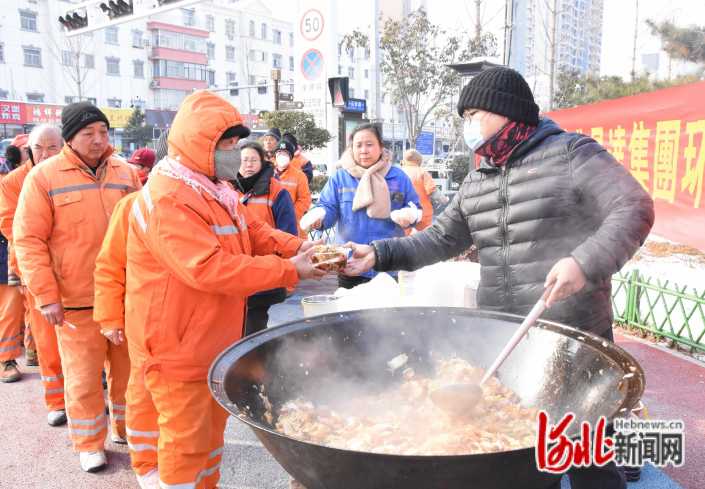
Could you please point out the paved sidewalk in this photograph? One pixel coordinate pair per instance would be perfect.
(37, 456)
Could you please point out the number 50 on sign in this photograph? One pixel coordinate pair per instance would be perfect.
(311, 24)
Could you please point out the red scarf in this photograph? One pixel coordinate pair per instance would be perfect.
(499, 147)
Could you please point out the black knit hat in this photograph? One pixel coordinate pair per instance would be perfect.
(274, 132)
(501, 91)
(287, 136)
(240, 131)
(76, 116)
(285, 145)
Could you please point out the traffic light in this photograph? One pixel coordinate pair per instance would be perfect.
(339, 92)
(115, 9)
(72, 21)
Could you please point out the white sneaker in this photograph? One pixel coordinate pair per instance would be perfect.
(56, 418)
(93, 461)
(150, 480)
(118, 439)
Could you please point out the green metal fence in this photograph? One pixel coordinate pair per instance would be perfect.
(661, 308)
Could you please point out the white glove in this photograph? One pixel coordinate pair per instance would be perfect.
(312, 217)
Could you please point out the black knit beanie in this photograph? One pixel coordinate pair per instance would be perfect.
(501, 91)
(285, 145)
(76, 116)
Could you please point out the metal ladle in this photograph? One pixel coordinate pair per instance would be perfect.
(461, 398)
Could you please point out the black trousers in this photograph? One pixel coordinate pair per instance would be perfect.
(257, 319)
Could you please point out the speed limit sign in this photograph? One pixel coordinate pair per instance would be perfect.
(311, 24)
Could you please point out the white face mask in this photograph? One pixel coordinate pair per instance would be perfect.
(227, 163)
(471, 134)
(282, 161)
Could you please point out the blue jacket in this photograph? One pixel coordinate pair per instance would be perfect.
(3, 260)
(337, 197)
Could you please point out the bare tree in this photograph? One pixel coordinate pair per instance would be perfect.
(636, 37)
(72, 52)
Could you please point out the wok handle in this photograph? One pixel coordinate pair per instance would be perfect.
(528, 322)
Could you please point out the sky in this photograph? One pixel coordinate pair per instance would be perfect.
(618, 22)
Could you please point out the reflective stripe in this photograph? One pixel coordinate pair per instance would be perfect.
(224, 230)
(142, 447)
(71, 188)
(117, 406)
(147, 198)
(9, 338)
(260, 200)
(288, 184)
(118, 186)
(137, 212)
(81, 432)
(52, 379)
(191, 485)
(119, 417)
(347, 189)
(87, 422)
(216, 452)
(143, 434)
(8, 348)
(58, 390)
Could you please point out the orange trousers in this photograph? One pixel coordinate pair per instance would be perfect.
(29, 343)
(49, 359)
(84, 353)
(182, 421)
(11, 317)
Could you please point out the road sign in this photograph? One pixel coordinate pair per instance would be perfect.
(424, 143)
(311, 24)
(294, 105)
(312, 64)
(288, 97)
(358, 105)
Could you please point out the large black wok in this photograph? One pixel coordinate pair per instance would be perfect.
(336, 356)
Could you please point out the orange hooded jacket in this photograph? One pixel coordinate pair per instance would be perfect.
(10, 188)
(109, 275)
(190, 265)
(61, 219)
(424, 186)
(295, 182)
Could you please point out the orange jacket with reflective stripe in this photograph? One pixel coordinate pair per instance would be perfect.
(190, 265)
(260, 206)
(296, 183)
(60, 223)
(10, 188)
(109, 275)
(424, 186)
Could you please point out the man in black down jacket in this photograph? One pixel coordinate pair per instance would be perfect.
(546, 209)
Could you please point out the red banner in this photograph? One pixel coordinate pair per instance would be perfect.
(11, 113)
(660, 138)
(42, 113)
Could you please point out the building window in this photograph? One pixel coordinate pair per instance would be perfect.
(4, 94)
(32, 56)
(137, 39)
(367, 94)
(112, 66)
(340, 70)
(230, 78)
(28, 21)
(35, 97)
(276, 60)
(291, 63)
(188, 16)
(262, 89)
(264, 57)
(367, 74)
(211, 50)
(210, 23)
(2, 53)
(229, 53)
(252, 54)
(88, 61)
(251, 79)
(138, 68)
(276, 36)
(252, 28)
(115, 103)
(291, 39)
(264, 31)
(68, 58)
(111, 35)
(177, 69)
(183, 42)
(352, 92)
(351, 73)
(230, 29)
(211, 78)
(367, 53)
(234, 92)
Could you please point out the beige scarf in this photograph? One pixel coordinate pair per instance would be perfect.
(372, 191)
